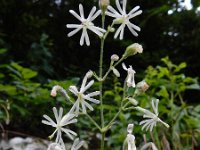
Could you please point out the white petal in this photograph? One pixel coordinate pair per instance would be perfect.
(132, 31)
(73, 25)
(134, 10)
(87, 38)
(91, 12)
(124, 66)
(75, 15)
(134, 26)
(73, 89)
(82, 37)
(83, 107)
(124, 5)
(87, 86)
(88, 105)
(119, 7)
(50, 120)
(74, 32)
(56, 114)
(113, 12)
(135, 14)
(47, 123)
(60, 114)
(69, 122)
(81, 11)
(93, 94)
(67, 133)
(122, 32)
(92, 99)
(118, 31)
(96, 30)
(95, 15)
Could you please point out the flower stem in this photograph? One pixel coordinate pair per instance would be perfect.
(101, 83)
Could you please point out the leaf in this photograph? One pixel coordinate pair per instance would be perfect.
(3, 50)
(194, 87)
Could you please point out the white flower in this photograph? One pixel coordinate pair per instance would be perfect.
(123, 18)
(61, 122)
(81, 97)
(77, 144)
(130, 138)
(86, 23)
(131, 75)
(152, 118)
(57, 88)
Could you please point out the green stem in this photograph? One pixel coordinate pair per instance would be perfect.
(93, 121)
(109, 70)
(102, 140)
(101, 83)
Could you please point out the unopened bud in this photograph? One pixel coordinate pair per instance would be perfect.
(142, 86)
(103, 4)
(130, 128)
(132, 50)
(133, 101)
(114, 57)
(110, 29)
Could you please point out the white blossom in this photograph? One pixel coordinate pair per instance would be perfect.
(131, 75)
(77, 144)
(130, 138)
(86, 23)
(152, 118)
(81, 97)
(60, 124)
(123, 18)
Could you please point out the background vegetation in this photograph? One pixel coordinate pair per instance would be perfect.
(35, 54)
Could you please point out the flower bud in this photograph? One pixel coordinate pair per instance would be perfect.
(114, 57)
(142, 86)
(103, 4)
(110, 29)
(132, 50)
(130, 128)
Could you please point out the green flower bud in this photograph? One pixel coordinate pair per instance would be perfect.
(132, 50)
(103, 4)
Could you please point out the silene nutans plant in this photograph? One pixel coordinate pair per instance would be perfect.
(84, 102)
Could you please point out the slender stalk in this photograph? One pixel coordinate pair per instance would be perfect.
(93, 121)
(101, 83)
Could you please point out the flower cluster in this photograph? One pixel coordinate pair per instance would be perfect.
(85, 100)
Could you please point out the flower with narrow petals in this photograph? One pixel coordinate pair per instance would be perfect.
(86, 23)
(61, 122)
(123, 18)
(77, 144)
(152, 118)
(81, 97)
(130, 138)
(131, 75)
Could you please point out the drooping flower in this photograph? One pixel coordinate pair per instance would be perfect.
(81, 97)
(133, 49)
(60, 124)
(86, 23)
(57, 88)
(130, 138)
(131, 75)
(152, 118)
(123, 18)
(77, 144)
